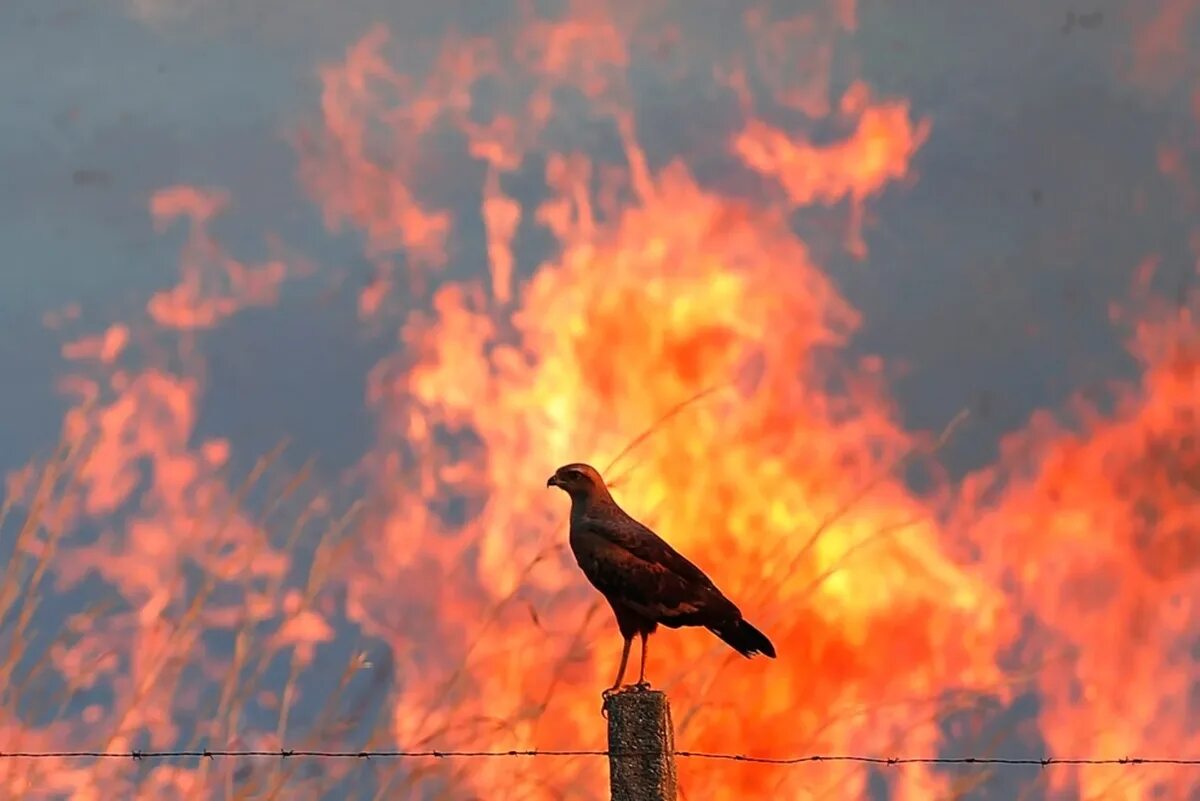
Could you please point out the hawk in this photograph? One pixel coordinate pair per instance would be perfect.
(644, 580)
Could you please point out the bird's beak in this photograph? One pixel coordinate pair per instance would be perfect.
(552, 481)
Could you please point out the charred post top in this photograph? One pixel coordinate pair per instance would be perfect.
(641, 745)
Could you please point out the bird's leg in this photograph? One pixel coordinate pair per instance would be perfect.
(620, 675)
(621, 669)
(642, 683)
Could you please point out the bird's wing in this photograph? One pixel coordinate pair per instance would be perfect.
(647, 546)
(628, 562)
(647, 588)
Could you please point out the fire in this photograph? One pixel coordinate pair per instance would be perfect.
(1096, 538)
(684, 292)
(876, 155)
(193, 303)
(672, 297)
(1160, 57)
(610, 293)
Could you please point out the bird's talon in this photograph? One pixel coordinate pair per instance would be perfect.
(641, 685)
(604, 696)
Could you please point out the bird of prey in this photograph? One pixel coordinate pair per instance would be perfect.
(644, 580)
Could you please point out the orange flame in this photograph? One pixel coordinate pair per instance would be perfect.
(676, 292)
(876, 154)
(1096, 537)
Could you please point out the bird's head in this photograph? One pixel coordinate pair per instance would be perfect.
(581, 481)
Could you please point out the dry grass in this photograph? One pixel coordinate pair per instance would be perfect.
(218, 694)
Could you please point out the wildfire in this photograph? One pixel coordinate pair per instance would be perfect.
(1096, 538)
(610, 297)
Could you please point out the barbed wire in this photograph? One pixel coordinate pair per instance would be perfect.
(285, 753)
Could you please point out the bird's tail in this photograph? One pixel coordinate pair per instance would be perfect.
(744, 638)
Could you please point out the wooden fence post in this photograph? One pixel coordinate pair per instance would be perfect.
(641, 745)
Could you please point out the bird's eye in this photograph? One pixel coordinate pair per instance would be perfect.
(573, 475)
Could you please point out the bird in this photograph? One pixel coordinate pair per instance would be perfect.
(645, 581)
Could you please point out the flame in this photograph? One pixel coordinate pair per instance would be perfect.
(135, 507)
(1161, 57)
(1095, 538)
(674, 292)
(191, 303)
(609, 296)
(875, 155)
(753, 480)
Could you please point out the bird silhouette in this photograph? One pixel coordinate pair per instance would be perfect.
(644, 579)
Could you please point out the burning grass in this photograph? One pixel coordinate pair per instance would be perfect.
(269, 620)
(208, 673)
(219, 655)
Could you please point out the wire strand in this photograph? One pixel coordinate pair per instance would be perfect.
(209, 753)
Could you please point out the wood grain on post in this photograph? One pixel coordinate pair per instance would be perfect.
(641, 745)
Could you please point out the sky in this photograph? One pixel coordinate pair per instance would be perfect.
(1010, 226)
